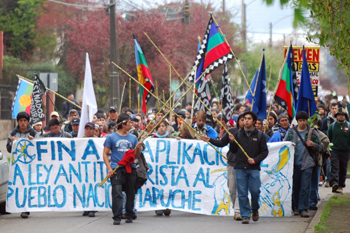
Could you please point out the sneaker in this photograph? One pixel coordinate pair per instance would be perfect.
(245, 221)
(326, 184)
(304, 215)
(335, 188)
(116, 222)
(128, 220)
(255, 216)
(123, 216)
(340, 190)
(134, 217)
(296, 212)
(237, 217)
(159, 212)
(167, 212)
(86, 213)
(320, 183)
(91, 214)
(313, 208)
(24, 214)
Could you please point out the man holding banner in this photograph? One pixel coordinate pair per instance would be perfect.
(124, 178)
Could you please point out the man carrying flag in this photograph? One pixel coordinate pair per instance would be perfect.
(144, 76)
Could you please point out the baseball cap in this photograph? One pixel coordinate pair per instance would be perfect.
(54, 113)
(75, 121)
(112, 108)
(90, 124)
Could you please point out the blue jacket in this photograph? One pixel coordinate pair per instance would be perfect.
(211, 132)
(278, 136)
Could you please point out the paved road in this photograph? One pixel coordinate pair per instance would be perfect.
(148, 222)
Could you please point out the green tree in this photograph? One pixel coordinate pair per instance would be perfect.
(17, 20)
(328, 24)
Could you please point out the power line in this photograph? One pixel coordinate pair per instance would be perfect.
(77, 5)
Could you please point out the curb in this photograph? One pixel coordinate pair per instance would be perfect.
(316, 219)
(348, 176)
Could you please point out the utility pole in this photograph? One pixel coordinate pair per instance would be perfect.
(114, 97)
(187, 12)
(244, 39)
(270, 44)
(223, 7)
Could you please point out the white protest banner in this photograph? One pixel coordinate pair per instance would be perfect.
(188, 175)
(57, 175)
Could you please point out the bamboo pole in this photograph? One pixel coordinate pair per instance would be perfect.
(171, 110)
(170, 104)
(28, 80)
(190, 88)
(120, 105)
(138, 102)
(129, 93)
(157, 94)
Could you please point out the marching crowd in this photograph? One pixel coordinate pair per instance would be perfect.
(322, 146)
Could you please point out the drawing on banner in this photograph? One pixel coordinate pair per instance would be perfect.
(222, 198)
(21, 153)
(277, 189)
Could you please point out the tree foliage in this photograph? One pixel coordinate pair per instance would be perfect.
(328, 25)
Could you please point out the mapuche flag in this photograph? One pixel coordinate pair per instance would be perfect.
(36, 110)
(284, 95)
(213, 51)
(144, 77)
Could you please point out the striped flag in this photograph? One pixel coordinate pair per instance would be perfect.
(23, 98)
(144, 76)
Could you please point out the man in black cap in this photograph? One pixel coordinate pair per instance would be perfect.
(339, 134)
(75, 127)
(22, 130)
(113, 114)
(56, 131)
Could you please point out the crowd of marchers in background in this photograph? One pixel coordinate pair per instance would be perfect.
(320, 158)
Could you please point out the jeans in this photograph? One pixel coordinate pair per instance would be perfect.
(339, 163)
(301, 188)
(315, 177)
(327, 167)
(117, 196)
(124, 202)
(232, 187)
(248, 179)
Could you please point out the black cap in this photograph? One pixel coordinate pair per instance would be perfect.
(90, 124)
(341, 112)
(75, 121)
(112, 108)
(23, 115)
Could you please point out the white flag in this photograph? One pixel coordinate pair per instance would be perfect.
(89, 107)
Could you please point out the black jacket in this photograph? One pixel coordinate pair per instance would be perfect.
(254, 145)
(223, 142)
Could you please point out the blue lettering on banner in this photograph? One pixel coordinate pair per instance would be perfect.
(90, 195)
(149, 172)
(75, 172)
(30, 175)
(18, 172)
(42, 196)
(86, 170)
(196, 200)
(38, 174)
(182, 175)
(81, 196)
(161, 171)
(205, 155)
(160, 150)
(24, 198)
(93, 150)
(63, 195)
(96, 197)
(48, 170)
(178, 152)
(53, 151)
(198, 151)
(61, 172)
(185, 152)
(71, 152)
(148, 150)
(173, 174)
(39, 150)
(168, 154)
(49, 197)
(30, 197)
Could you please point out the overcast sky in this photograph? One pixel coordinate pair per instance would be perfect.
(258, 16)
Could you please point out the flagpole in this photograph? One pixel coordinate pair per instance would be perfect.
(176, 103)
(268, 84)
(232, 53)
(194, 90)
(28, 80)
(163, 96)
(129, 93)
(171, 114)
(257, 78)
(138, 102)
(122, 97)
(190, 88)
(278, 81)
(157, 94)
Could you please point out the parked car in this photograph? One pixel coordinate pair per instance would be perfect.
(4, 173)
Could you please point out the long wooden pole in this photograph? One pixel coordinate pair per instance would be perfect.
(28, 80)
(190, 88)
(170, 104)
(122, 97)
(171, 109)
(157, 94)
(129, 93)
